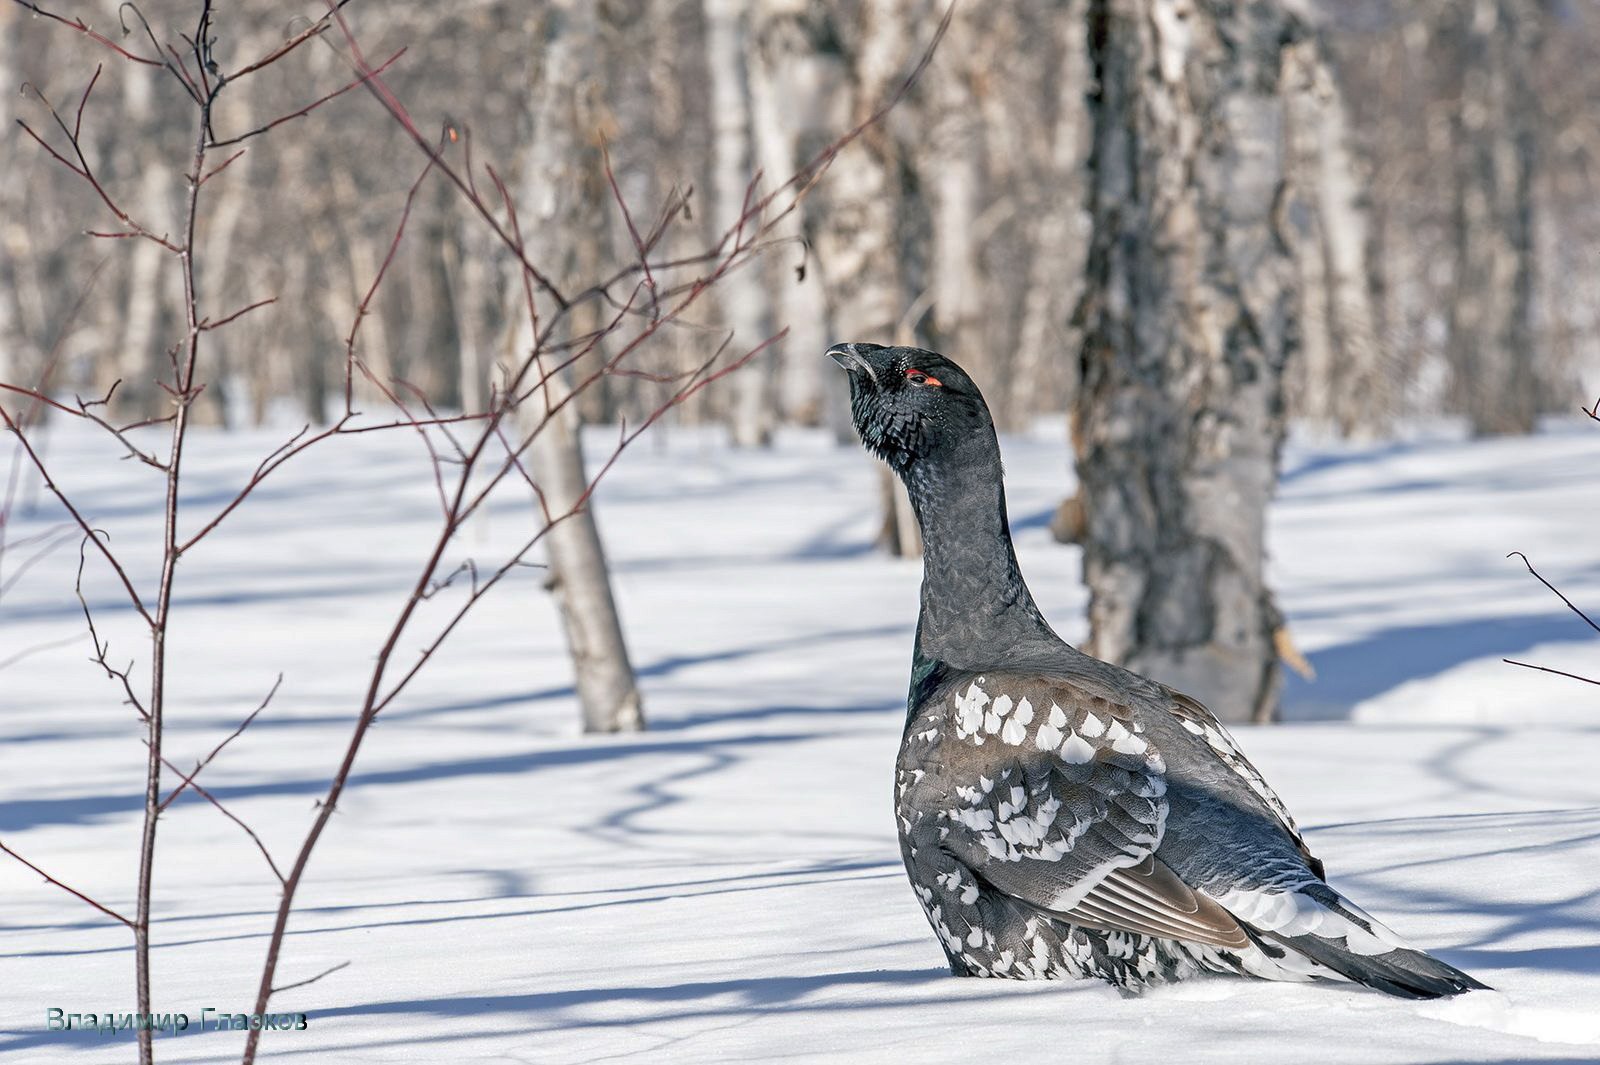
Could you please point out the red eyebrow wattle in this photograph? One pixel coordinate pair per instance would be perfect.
(929, 378)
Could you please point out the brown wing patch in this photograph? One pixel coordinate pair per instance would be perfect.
(1150, 899)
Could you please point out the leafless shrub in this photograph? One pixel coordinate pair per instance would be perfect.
(1594, 415)
(472, 454)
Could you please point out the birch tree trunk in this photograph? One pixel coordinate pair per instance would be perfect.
(742, 295)
(794, 105)
(950, 164)
(1341, 373)
(1494, 143)
(137, 360)
(1190, 320)
(858, 252)
(467, 254)
(433, 360)
(217, 270)
(559, 212)
(1056, 259)
(1309, 386)
(12, 232)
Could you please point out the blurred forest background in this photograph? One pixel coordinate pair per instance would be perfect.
(1441, 206)
(1181, 223)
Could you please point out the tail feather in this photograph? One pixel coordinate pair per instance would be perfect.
(1403, 972)
(1316, 922)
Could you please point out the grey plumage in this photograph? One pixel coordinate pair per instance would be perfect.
(1059, 816)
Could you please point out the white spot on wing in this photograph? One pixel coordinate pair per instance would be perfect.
(1077, 750)
(969, 713)
(1129, 744)
(976, 819)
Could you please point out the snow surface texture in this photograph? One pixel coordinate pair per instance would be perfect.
(727, 886)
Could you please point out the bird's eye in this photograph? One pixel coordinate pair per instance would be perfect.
(917, 377)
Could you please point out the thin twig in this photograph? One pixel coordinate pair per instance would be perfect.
(81, 27)
(1547, 669)
(312, 979)
(240, 313)
(83, 101)
(288, 46)
(1570, 606)
(220, 167)
(83, 170)
(88, 530)
(65, 887)
(251, 716)
(229, 814)
(308, 108)
(102, 648)
(627, 218)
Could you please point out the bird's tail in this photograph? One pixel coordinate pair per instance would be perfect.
(1322, 925)
(1403, 972)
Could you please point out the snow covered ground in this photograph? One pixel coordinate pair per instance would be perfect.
(727, 887)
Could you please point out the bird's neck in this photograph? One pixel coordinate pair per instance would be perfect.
(975, 604)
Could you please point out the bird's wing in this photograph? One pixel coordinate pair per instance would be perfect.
(1200, 722)
(1056, 799)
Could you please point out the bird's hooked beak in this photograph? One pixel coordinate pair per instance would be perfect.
(852, 360)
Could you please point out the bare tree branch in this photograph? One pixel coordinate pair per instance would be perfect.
(88, 531)
(312, 979)
(1570, 606)
(1547, 669)
(66, 887)
(188, 779)
(82, 27)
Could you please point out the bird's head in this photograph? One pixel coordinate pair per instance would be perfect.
(909, 404)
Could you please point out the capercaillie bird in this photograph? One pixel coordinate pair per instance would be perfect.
(1060, 816)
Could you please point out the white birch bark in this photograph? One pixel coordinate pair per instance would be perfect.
(950, 160)
(1362, 405)
(1495, 145)
(1061, 238)
(466, 258)
(1342, 369)
(11, 340)
(795, 101)
(858, 252)
(558, 209)
(216, 270)
(136, 362)
(741, 294)
(859, 200)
